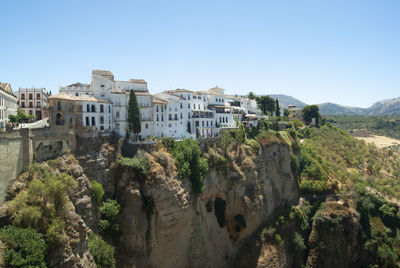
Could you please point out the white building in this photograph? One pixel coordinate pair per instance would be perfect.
(77, 89)
(8, 104)
(179, 113)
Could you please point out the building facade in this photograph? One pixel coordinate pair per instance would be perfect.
(82, 113)
(8, 104)
(179, 113)
(34, 101)
(77, 89)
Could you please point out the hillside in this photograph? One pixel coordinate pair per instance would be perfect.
(385, 107)
(336, 109)
(286, 100)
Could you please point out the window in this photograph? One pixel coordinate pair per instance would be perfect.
(181, 116)
(181, 105)
(169, 125)
(146, 126)
(22, 96)
(23, 104)
(109, 108)
(30, 104)
(117, 114)
(30, 112)
(189, 105)
(101, 108)
(30, 96)
(194, 106)
(38, 96)
(162, 117)
(58, 105)
(197, 123)
(102, 86)
(211, 123)
(88, 108)
(101, 127)
(157, 109)
(202, 123)
(188, 97)
(93, 121)
(77, 94)
(169, 116)
(87, 121)
(207, 123)
(157, 117)
(93, 108)
(38, 104)
(101, 120)
(204, 98)
(176, 117)
(189, 115)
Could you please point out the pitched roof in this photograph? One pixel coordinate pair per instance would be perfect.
(76, 98)
(78, 85)
(6, 87)
(158, 100)
(104, 73)
(138, 81)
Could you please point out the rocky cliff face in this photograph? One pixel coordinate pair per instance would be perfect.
(199, 231)
(162, 223)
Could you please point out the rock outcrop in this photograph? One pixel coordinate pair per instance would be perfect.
(184, 230)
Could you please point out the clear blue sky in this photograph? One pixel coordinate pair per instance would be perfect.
(339, 51)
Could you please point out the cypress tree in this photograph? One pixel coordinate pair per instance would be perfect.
(277, 108)
(134, 115)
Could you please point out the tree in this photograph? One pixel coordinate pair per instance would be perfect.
(251, 96)
(102, 252)
(23, 247)
(20, 117)
(310, 112)
(266, 104)
(286, 113)
(134, 115)
(277, 108)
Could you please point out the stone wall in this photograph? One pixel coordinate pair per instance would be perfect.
(20, 148)
(11, 159)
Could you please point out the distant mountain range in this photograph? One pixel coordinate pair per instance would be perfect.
(384, 107)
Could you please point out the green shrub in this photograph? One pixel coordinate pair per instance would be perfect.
(103, 253)
(109, 210)
(190, 164)
(254, 145)
(55, 231)
(219, 210)
(45, 198)
(278, 239)
(23, 247)
(97, 192)
(294, 164)
(298, 242)
(313, 187)
(139, 164)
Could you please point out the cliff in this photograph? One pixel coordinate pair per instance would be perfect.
(162, 222)
(206, 230)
